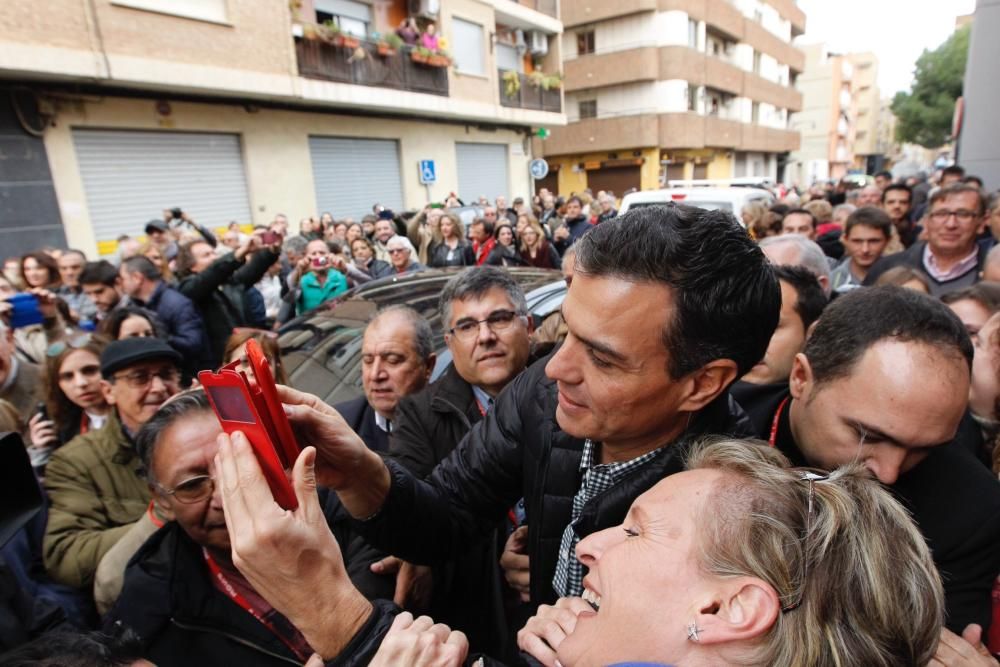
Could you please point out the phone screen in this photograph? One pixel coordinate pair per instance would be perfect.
(232, 404)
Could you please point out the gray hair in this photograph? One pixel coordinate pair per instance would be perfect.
(422, 335)
(810, 254)
(295, 244)
(176, 408)
(476, 281)
(398, 240)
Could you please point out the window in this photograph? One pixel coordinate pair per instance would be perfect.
(352, 17)
(469, 47)
(755, 112)
(588, 109)
(692, 98)
(205, 10)
(584, 42)
(756, 62)
(692, 33)
(508, 58)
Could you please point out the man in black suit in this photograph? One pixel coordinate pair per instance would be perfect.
(397, 360)
(884, 381)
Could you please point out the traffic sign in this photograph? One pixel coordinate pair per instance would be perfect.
(539, 168)
(428, 174)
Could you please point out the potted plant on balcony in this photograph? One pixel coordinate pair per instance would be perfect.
(552, 82)
(389, 45)
(511, 83)
(439, 58)
(349, 41)
(329, 32)
(421, 55)
(537, 78)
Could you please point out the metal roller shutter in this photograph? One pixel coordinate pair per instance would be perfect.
(130, 177)
(352, 175)
(482, 170)
(617, 179)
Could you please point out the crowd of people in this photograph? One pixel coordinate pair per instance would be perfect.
(768, 443)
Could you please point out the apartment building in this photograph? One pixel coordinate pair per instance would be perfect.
(113, 110)
(827, 120)
(667, 89)
(869, 146)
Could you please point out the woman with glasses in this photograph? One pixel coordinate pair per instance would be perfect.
(131, 322)
(74, 402)
(738, 560)
(182, 594)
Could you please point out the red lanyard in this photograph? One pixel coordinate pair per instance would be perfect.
(84, 423)
(777, 418)
(479, 405)
(235, 596)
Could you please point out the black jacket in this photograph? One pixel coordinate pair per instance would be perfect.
(954, 499)
(461, 255)
(360, 416)
(468, 590)
(185, 329)
(218, 294)
(518, 450)
(505, 256)
(169, 600)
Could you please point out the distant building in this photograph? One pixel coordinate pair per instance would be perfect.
(979, 143)
(672, 89)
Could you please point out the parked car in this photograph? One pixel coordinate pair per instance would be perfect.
(321, 350)
(728, 195)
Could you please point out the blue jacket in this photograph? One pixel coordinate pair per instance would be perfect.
(185, 330)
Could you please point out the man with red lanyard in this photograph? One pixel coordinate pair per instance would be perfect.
(884, 381)
(488, 329)
(481, 234)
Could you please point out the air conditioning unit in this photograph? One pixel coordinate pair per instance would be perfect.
(428, 8)
(539, 43)
(519, 41)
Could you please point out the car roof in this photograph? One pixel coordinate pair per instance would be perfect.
(321, 350)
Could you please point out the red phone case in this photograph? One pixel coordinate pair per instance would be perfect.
(254, 409)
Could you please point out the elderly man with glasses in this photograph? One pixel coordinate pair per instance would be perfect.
(94, 482)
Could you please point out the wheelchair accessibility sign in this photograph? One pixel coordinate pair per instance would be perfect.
(428, 174)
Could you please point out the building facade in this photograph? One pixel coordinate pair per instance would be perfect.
(241, 109)
(670, 89)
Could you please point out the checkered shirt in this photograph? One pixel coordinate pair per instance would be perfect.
(568, 579)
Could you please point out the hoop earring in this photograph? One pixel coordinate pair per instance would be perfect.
(693, 631)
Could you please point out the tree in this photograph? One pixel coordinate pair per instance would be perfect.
(925, 113)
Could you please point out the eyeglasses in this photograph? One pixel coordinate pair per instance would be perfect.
(60, 346)
(498, 320)
(142, 379)
(192, 490)
(962, 215)
(812, 478)
(393, 251)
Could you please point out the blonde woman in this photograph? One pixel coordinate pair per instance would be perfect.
(535, 249)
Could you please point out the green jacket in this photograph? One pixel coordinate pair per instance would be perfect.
(96, 493)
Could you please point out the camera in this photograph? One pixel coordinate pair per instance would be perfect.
(320, 262)
(176, 212)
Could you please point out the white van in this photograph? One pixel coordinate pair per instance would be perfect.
(729, 195)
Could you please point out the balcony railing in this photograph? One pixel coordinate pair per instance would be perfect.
(320, 60)
(528, 95)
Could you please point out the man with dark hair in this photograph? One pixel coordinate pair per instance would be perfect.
(481, 234)
(883, 179)
(952, 175)
(799, 221)
(950, 257)
(397, 359)
(866, 235)
(884, 381)
(144, 285)
(221, 289)
(896, 203)
(802, 302)
(102, 283)
(642, 373)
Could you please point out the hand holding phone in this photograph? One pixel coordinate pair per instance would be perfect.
(251, 405)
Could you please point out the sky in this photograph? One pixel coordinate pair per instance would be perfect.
(897, 31)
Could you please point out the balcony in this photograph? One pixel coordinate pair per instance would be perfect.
(528, 95)
(320, 60)
(547, 7)
(596, 70)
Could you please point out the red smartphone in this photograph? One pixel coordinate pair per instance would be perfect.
(251, 405)
(270, 238)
